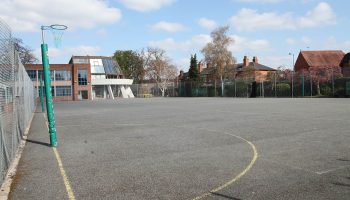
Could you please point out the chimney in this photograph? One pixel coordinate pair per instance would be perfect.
(255, 60)
(208, 65)
(200, 67)
(245, 61)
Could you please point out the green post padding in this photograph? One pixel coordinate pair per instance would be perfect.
(49, 102)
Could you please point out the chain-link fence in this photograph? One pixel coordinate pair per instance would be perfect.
(296, 85)
(17, 99)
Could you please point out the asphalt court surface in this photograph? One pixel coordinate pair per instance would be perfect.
(184, 148)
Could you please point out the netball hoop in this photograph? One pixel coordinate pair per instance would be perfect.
(57, 31)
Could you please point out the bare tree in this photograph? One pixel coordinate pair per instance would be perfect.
(216, 53)
(25, 53)
(159, 68)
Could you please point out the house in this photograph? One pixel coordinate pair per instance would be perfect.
(324, 59)
(255, 71)
(259, 72)
(83, 78)
(345, 65)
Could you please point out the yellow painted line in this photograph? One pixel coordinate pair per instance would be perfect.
(64, 175)
(63, 172)
(236, 178)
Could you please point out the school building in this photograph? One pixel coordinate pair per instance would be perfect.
(84, 78)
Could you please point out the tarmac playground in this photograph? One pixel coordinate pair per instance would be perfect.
(189, 148)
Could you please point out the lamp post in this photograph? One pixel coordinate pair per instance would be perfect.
(292, 75)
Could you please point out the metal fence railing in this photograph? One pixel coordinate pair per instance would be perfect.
(296, 86)
(17, 99)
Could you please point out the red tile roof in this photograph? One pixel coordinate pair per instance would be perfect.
(323, 58)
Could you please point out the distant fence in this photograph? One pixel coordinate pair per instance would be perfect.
(301, 86)
(17, 102)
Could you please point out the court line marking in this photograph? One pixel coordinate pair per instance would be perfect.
(64, 175)
(63, 172)
(237, 177)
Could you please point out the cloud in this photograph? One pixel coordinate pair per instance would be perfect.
(291, 41)
(102, 32)
(194, 44)
(305, 40)
(258, 1)
(28, 16)
(81, 50)
(197, 42)
(277, 61)
(251, 20)
(144, 5)
(321, 15)
(247, 45)
(332, 43)
(207, 23)
(168, 26)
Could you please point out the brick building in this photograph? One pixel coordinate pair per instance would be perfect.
(84, 78)
(257, 71)
(325, 59)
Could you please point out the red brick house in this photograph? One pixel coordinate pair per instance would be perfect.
(258, 71)
(324, 59)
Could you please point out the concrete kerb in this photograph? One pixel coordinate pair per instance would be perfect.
(11, 173)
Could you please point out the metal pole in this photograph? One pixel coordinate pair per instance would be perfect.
(292, 84)
(332, 82)
(222, 87)
(311, 84)
(49, 103)
(302, 85)
(235, 88)
(263, 89)
(275, 84)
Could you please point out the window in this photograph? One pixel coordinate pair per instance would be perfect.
(41, 75)
(82, 77)
(109, 66)
(97, 66)
(44, 92)
(80, 61)
(32, 74)
(63, 91)
(62, 75)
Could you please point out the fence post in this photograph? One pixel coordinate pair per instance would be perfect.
(292, 84)
(311, 85)
(332, 82)
(235, 88)
(263, 89)
(302, 85)
(275, 84)
(214, 88)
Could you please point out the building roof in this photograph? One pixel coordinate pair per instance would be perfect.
(345, 61)
(256, 66)
(323, 58)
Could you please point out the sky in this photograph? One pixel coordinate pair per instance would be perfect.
(272, 30)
